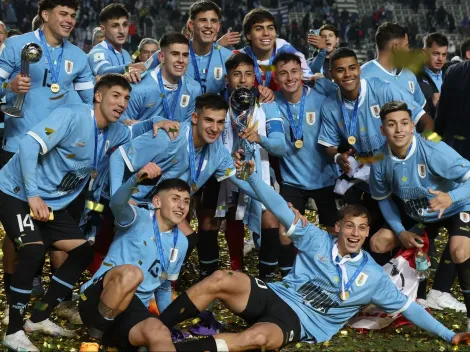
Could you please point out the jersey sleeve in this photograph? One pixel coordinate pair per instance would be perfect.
(100, 62)
(316, 63)
(387, 296)
(226, 168)
(84, 80)
(329, 134)
(379, 187)
(8, 59)
(152, 62)
(56, 127)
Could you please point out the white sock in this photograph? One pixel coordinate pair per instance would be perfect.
(221, 345)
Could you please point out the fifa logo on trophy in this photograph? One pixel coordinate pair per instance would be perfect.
(30, 53)
(242, 105)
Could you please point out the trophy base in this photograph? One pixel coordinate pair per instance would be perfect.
(244, 172)
(12, 111)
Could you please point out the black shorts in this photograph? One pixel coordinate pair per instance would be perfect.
(5, 157)
(264, 306)
(209, 194)
(118, 334)
(325, 199)
(22, 229)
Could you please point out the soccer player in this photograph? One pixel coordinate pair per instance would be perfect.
(109, 56)
(260, 29)
(321, 63)
(391, 38)
(3, 32)
(305, 170)
(430, 182)
(332, 279)
(165, 91)
(145, 256)
(54, 162)
(147, 47)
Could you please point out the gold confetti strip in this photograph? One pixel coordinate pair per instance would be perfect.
(460, 138)
(49, 131)
(370, 159)
(195, 321)
(40, 306)
(134, 56)
(343, 333)
(83, 297)
(182, 310)
(456, 326)
(228, 171)
(298, 345)
(70, 156)
(145, 243)
(140, 262)
(107, 264)
(431, 136)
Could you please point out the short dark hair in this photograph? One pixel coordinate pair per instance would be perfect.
(286, 57)
(173, 38)
(13, 32)
(438, 38)
(210, 101)
(393, 106)
(52, 4)
(36, 22)
(203, 6)
(464, 47)
(329, 27)
(173, 183)
(355, 210)
(238, 59)
(341, 53)
(387, 32)
(113, 11)
(109, 80)
(257, 16)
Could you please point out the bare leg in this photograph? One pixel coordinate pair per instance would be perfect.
(152, 334)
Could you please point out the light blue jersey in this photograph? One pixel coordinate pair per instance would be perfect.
(136, 243)
(305, 168)
(211, 78)
(74, 75)
(373, 95)
(405, 80)
(146, 100)
(428, 165)
(103, 58)
(57, 155)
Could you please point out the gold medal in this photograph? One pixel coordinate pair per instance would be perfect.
(344, 295)
(194, 187)
(299, 143)
(55, 88)
(164, 275)
(352, 140)
(94, 174)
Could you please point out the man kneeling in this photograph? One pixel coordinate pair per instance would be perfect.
(331, 280)
(146, 253)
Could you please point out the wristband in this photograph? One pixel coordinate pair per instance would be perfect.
(336, 157)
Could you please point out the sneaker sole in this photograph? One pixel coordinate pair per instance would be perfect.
(433, 306)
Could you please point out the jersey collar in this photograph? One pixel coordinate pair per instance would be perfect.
(412, 150)
(394, 73)
(361, 98)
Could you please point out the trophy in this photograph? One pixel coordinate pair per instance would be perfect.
(31, 52)
(242, 101)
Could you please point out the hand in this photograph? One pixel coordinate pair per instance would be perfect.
(133, 76)
(461, 338)
(150, 171)
(39, 208)
(20, 84)
(229, 39)
(298, 216)
(251, 134)
(266, 95)
(132, 202)
(342, 161)
(138, 66)
(239, 164)
(435, 98)
(130, 122)
(317, 41)
(439, 203)
(171, 127)
(410, 240)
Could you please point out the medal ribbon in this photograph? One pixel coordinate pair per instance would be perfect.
(55, 71)
(169, 113)
(297, 129)
(158, 240)
(192, 159)
(343, 273)
(259, 77)
(196, 68)
(98, 152)
(350, 124)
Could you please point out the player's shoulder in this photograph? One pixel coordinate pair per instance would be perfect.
(330, 104)
(17, 42)
(75, 50)
(191, 84)
(226, 53)
(368, 66)
(182, 240)
(283, 46)
(76, 109)
(375, 83)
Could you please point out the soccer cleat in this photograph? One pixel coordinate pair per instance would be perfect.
(440, 300)
(38, 289)
(47, 327)
(68, 310)
(6, 316)
(19, 342)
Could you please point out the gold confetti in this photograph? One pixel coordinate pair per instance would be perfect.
(49, 131)
(456, 326)
(145, 243)
(228, 171)
(134, 56)
(182, 310)
(431, 136)
(107, 264)
(460, 138)
(162, 95)
(140, 262)
(298, 345)
(326, 343)
(83, 297)
(70, 156)
(230, 272)
(195, 321)
(40, 306)
(285, 284)
(344, 333)
(370, 159)
(455, 348)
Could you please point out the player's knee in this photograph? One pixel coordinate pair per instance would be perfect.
(459, 254)
(217, 280)
(154, 331)
(381, 243)
(131, 277)
(254, 337)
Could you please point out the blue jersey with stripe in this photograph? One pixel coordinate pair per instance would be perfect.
(428, 165)
(146, 100)
(103, 58)
(40, 101)
(374, 94)
(66, 154)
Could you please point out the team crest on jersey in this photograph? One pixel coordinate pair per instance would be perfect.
(310, 117)
(68, 66)
(361, 279)
(375, 110)
(422, 170)
(465, 217)
(411, 84)
(184, 100)
(218, 73)
(98, 57)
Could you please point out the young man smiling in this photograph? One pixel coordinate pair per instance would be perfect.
(430, 182)
(109, 55)
(332, 279)
(165, 91)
